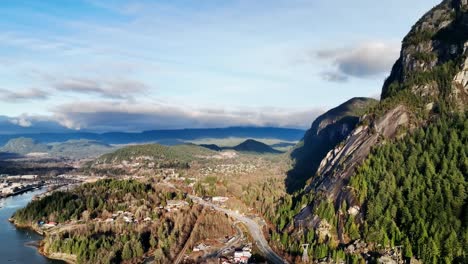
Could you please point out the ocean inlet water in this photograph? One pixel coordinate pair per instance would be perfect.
(18, 245)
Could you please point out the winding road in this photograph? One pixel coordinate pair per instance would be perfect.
(254, 229)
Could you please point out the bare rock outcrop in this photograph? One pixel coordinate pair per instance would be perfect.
(341, 162)
(435, 48)
(326, 132)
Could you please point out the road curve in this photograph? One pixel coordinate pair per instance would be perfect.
(220, 251)
(254, 229)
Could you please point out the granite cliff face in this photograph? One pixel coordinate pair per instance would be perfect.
(435, 49)
(430, 76)
(326, 132)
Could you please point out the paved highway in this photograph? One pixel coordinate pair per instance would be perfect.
(254, 229)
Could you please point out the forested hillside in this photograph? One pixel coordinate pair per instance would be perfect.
(115, 221)
(414, 192)
(145, 159)
(72, 149)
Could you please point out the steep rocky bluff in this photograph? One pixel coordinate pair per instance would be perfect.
(437, 44)
(430, 76)
(327, 131)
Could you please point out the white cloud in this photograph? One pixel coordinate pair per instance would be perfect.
(23, 95)
(130, 116)
(364, 60)
(21, 121)
(117, 89)
(334, 77)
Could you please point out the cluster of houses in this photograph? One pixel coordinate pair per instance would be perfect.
(127, 217)
(225, 155)
(228, 169)
(46, 225)
(201, 247)
(241, 255)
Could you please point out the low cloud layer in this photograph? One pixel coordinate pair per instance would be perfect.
(23, 95)
(365, 60)
(127, 116)
(22, 121)
(331, 76)
(115, 89)
(25, 124)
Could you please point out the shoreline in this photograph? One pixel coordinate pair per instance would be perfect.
(39, 245)
(28, 189)
(27, 226)
(67, 258)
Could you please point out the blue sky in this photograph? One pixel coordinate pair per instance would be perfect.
(136, 65)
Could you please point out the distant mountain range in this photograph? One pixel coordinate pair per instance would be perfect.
(167, 137)
(69, 149)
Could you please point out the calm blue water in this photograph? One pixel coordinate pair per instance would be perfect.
(13, 242)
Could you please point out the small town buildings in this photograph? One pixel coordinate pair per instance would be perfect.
(241, 256)
(50, 224)
(201, 247)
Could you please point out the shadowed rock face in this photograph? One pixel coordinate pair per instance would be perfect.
(340, 163)
(326, 132)
(434, 67)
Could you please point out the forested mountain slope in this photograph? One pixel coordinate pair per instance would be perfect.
(120, 221)
(255, 146)
(414, 192)
(400, 177)
(249, 145)
(74, 149)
